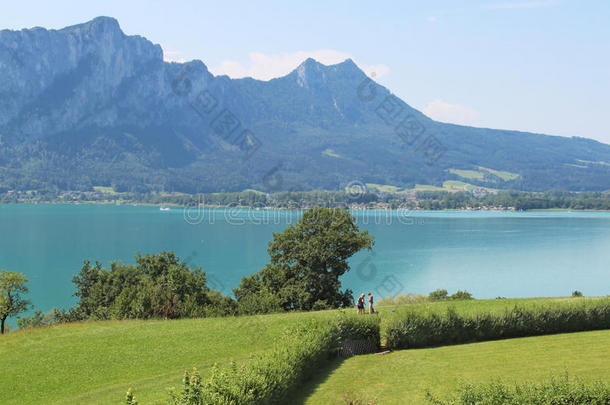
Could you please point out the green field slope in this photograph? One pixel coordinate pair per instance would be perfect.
(95, 362)
(402, 377)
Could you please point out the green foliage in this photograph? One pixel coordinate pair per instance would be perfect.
(438, 295)
(37, 319)
(357, 327)
(576, 293)
(260, 301)
(402, 299)
(461, 295)
(419, 329)
(306, 261)
(441, 295)
(428, 200)
(267, 378)
(12, 303)
(220, 305)
(130, 398)
(158, 286)
(192, 391)
(270, 377)
(555, 391)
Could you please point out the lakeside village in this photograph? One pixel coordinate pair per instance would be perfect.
(381, 201)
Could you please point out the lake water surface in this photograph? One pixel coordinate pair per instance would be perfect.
(487, 253)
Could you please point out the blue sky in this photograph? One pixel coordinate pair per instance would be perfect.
(532, 65)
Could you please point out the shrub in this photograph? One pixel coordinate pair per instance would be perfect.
(416, 329)
(259, 302)
(270, 377)
(461, 295)
(130, 398)
(266, 378)
(356, 327)
(555, 391)
(158, 286)
(576, 293)
(438, 295)
(400, 299)
(51, 317)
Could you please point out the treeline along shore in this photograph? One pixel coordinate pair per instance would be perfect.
(477, 199)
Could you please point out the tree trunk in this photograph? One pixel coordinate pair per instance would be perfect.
(2, 327)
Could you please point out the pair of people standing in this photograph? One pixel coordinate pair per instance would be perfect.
(360, 304)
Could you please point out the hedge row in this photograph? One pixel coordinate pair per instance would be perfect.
(555, 391)
(417, 329)
(270, 377)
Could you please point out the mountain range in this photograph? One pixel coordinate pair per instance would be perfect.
(88, 106)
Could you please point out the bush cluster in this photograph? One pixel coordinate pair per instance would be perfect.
(352, 327)
(269, 378)
(554, 391)
(157, 286)
(416, 329)
(436, 295)
(442, 295)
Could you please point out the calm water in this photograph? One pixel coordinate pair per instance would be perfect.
(487, 253)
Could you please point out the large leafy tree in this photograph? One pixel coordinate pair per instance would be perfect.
(158, 286)
(12, 288)
(306, 261)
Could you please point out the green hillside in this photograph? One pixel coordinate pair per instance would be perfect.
(95, 362)
(404, 376)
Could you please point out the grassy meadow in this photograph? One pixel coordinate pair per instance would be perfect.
(402, 377)
(95, 362)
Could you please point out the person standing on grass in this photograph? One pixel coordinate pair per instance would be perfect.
(371, 309)
(360, 304)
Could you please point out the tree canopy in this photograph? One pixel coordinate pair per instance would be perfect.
(157, 286)
(306, 261)
(12, 303)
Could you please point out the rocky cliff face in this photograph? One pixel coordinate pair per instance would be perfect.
(88, 105)
(59, 80)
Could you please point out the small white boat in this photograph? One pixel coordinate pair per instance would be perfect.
(163, 208)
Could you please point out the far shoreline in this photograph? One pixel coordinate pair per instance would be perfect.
(174, 205)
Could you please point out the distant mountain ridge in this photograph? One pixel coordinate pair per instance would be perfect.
(88, 106)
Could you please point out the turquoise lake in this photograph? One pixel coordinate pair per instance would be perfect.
(488, 253)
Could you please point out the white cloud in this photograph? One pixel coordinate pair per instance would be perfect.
(172, 56)
(523, 4)
(268, 66)
(452, 113)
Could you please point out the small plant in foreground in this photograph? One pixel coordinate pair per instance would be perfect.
(130, 398)
(191, 392)
(350, 399)
(555, 391)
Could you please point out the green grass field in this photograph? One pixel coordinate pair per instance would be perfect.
(506, 176)
(468, 174)
(402, 377)
(95, 362)
(480, 174)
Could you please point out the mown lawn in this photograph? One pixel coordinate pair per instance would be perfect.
(95, 362)
(402, 377)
